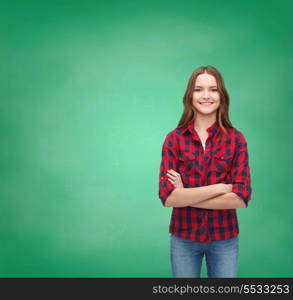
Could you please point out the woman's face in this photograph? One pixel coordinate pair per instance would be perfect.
(206, 97)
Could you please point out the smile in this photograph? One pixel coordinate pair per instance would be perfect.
(206, 103)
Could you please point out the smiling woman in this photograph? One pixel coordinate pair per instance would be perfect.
(204, 176)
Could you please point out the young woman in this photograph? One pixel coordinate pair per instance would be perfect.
(204, 176)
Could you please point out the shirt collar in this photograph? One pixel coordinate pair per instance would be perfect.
(213, 129)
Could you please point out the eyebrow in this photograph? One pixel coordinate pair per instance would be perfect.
(210, 86)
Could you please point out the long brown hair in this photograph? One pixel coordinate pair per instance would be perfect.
(222, 113)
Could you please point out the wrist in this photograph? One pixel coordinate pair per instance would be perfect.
(228, 188)
(225, 188)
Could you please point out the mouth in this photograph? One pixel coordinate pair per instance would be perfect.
(206, 103)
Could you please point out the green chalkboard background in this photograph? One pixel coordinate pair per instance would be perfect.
(89, 91)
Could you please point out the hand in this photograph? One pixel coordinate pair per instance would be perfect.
(175, 178)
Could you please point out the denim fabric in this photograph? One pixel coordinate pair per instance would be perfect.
(221, 257)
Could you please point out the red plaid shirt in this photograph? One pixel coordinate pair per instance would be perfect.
(224, 160)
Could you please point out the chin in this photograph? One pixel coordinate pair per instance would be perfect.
(206, 112)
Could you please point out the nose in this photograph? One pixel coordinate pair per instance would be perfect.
(206, 94)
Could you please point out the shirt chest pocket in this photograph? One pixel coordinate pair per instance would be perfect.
(187, 161)
(222, 162)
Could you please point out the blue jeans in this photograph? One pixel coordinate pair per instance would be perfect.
(221, 257)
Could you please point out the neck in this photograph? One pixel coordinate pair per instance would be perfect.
(202, 123)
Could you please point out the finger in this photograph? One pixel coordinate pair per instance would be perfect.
(172, 180)
(171, 175)
(173, 172)
(175, 175)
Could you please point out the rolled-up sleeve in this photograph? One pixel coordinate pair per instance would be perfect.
(240, 171)
(168, 161)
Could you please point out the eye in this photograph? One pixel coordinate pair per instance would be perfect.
(197, 90)
(214, 90)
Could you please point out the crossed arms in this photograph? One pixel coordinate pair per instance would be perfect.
(215, 196)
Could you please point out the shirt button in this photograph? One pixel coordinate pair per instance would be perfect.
(206, 157)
